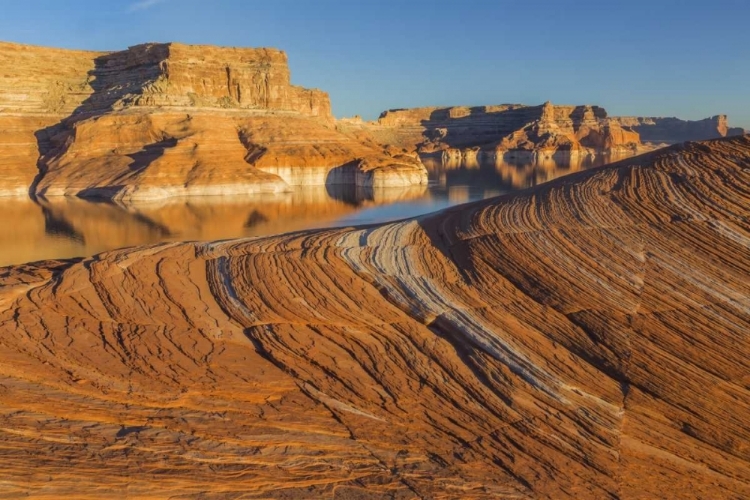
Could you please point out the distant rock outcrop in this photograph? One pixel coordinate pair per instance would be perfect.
(513, 129)
(504, 129)
(673, 130)
(583, 339)
(169, 119)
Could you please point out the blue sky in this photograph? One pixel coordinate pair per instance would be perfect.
(685, 58)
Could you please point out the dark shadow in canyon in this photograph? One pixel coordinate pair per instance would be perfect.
(150, 153)
(108, 85)
(476, 129)
(351, 194)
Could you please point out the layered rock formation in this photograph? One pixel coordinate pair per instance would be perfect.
(38, 88)
(586, 338)
(509, 130)
(168, 119)
(499, 130)
(673, 130)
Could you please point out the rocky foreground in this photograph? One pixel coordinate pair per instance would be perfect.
(586, 338)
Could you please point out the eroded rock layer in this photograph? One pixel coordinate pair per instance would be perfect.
(587, 338)
(47, 80)
(160, 120)
(504, 128)
(673, 130)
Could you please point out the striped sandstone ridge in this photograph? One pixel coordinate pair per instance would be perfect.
(586, 338)
(160, 120)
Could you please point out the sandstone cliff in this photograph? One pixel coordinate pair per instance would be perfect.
(38, 88)
(511, 129)
(498, 130)
(164, 119)
(673, 130)
(586, 338)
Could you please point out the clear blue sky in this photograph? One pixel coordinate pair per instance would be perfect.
(684, 58)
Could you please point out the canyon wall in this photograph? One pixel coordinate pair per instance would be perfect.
(61, 82)
(168, 119)
(38, 88)
(512, 129)
(504, 128)
(673, 130)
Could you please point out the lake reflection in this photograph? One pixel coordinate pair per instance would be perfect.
(60, 228)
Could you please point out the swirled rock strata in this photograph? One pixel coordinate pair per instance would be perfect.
(586, 338)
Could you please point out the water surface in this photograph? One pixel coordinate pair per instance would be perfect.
(60, 228)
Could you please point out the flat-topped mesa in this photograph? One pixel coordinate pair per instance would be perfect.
(673, 130)
(199, 76)
(64, 82)
(504, 128)
(167, 119)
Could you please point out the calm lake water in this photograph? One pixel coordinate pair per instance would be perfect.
(62, 227)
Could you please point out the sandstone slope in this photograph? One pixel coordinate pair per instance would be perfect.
(587, 338)
(160, 120)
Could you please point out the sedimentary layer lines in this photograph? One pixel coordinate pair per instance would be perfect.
(587, 338)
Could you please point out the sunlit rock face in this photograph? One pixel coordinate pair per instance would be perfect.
(672, 130)
(48, 80)
(512, 129)
(585, 338)
(504, 128)
(20, 143)
(161, 120)
(38, 88)
(177, 75)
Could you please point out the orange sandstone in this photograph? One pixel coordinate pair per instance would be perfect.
(586, 338)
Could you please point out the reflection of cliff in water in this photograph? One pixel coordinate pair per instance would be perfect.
(63, 227)
(70, 227)
(502, 173)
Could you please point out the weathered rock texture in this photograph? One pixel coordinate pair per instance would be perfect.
(507, 130)
(168, 119)
(673, 130)
(587, 338)
(497, 130)
(38, 88)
